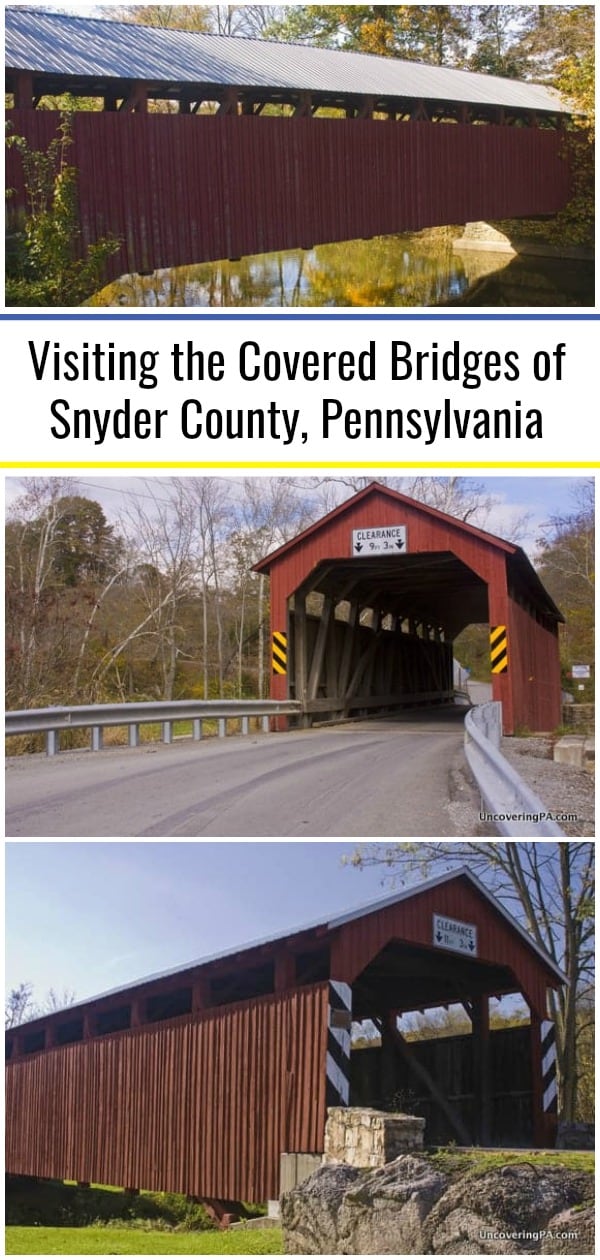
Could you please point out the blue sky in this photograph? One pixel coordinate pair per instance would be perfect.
(89, 917)
(514, 498)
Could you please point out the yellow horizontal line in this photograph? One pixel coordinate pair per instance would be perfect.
(285, 466)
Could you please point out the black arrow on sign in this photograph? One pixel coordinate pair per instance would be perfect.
(399, 544)
(438, 936)
(358, 546)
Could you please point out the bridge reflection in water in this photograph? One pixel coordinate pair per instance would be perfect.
(405, 270)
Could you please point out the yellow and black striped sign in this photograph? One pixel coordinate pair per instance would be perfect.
(499, 649)
(279, 652)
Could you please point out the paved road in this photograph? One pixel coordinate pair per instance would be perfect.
(383, 778)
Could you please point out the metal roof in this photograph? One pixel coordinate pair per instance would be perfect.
(56, 43)
(327, 925)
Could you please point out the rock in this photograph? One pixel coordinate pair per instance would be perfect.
(571, 1233)
(504, 1211)
(367, 1213)
(575, 1136)
(409, 1208)
(309, 1214)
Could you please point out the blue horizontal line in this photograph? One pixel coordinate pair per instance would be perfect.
(314, 318)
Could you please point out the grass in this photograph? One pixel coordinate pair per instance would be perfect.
(105, 1241)
(457, 1163)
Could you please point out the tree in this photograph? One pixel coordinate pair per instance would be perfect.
(549, 887)
(47, 264)
(62, 559)
(20, 1007)
(566, 566)
(433, 33)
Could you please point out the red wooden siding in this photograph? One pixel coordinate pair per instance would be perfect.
(199, 1106)
(184, 189)
(356, 943)
(534, 663)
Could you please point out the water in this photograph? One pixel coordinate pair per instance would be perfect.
(392, 271)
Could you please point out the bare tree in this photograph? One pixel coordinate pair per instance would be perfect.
(549, 887)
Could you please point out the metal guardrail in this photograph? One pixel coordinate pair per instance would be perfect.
(167, 712)
(516, 809)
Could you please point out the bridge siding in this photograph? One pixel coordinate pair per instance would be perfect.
(197, 1106)
(185, 189)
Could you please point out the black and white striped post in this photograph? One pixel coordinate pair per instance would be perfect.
(339, 1025)
(549, 1085)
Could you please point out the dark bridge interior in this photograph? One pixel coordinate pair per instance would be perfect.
(377, 632)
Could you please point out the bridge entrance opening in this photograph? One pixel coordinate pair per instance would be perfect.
(367, 602)
(376, 633)
(473, 1084)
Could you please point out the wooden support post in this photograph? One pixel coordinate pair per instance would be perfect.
(316, 667)
(427, 1080)
(200, 995)
(110, 103)
(24, 90)
(138, 1012)
(387, 1079)
(184, 105)
(301, 650)
(285, 971)
(367, 108)
(480, 1017)
(137, 100)
(230, 102)
(89, 1026)
(304, 107)
(347, 652)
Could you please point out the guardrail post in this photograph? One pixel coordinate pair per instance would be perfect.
(134, 735)
(245, 725)
(197, 729)
(97, 740)
(52, 743)
(265, 724)
(222, 726)
(167, 732)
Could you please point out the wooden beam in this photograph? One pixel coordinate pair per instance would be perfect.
(316, 667)
(23, 93)
(427, 1080)
(137, 100)
(304, 107)
(229, 103)
(482, 1070)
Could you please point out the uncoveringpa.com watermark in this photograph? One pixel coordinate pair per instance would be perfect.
(529, 1235)
(543, 816)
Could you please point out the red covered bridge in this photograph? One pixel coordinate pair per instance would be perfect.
(413, 146)
(197, 1080)
(366, 604)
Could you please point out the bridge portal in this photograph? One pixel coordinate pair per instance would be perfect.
(366, 605)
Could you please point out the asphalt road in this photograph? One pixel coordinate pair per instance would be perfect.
(382, 778)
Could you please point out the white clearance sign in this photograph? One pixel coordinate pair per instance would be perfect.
(452, 934)
(381, 540)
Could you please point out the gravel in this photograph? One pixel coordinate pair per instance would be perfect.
(562, 789)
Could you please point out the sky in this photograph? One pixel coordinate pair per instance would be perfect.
(90, 917)
(514, 498)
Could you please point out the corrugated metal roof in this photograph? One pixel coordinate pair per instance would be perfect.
(54, 43)
(329, 925)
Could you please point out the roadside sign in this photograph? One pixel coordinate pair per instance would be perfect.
(580, 671)
(380, 540)
(454, 935)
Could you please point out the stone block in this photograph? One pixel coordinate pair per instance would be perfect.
(364, 1138)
